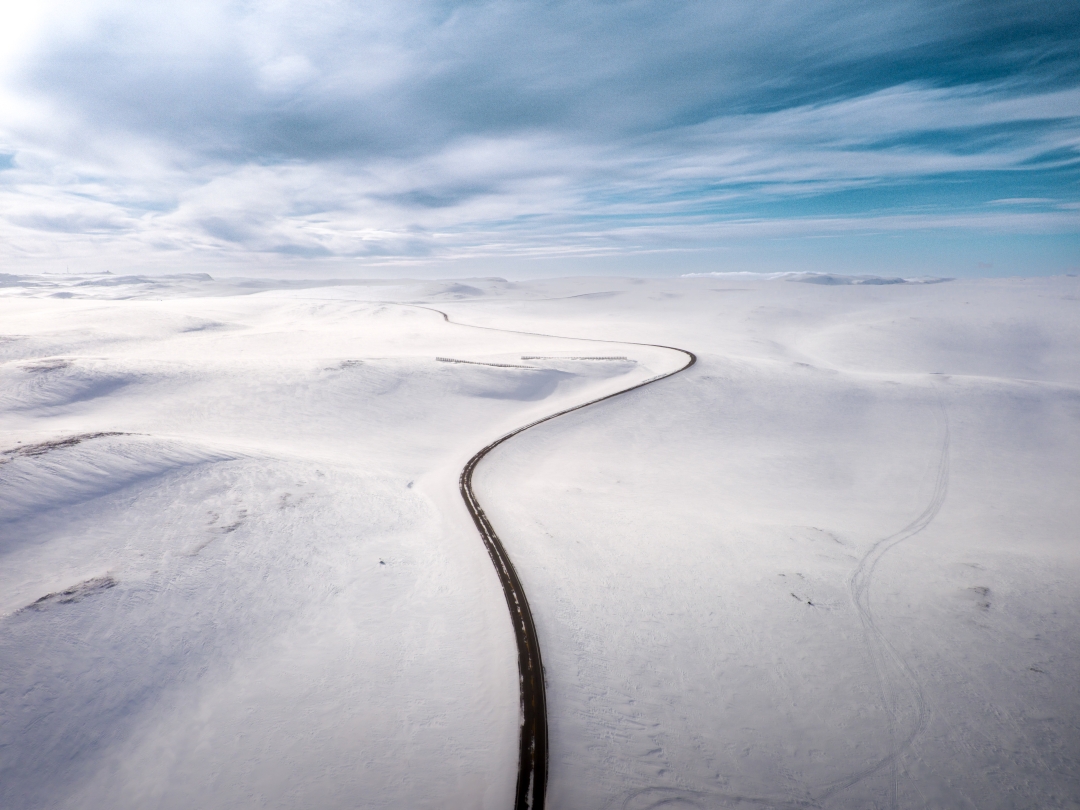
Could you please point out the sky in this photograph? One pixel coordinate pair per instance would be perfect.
(438, 138)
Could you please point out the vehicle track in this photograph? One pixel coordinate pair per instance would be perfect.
(895, 675)
(533, 746)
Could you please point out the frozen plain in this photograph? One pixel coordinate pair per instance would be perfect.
(832, 565)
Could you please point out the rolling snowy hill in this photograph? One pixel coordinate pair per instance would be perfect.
(832, 564)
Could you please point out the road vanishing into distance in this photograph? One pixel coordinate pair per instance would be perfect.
(533, 747)
(893, 672)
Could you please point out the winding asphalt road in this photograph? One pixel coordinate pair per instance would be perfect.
(533, 751)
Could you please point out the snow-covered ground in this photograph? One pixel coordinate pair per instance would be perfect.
(833, 564)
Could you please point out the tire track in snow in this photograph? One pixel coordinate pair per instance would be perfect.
(533, 746)
(895, 675)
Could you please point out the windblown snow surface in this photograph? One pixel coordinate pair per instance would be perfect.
(834, 564)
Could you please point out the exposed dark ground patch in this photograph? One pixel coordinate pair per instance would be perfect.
(42, 448)
(76, 593)
(345, 364)
(53, 364)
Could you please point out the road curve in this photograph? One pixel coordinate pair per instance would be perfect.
(533, 750)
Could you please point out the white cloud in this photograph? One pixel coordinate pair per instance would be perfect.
(424, 129)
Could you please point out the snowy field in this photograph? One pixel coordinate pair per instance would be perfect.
(834, 564)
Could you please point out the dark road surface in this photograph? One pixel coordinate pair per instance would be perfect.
(533, 751)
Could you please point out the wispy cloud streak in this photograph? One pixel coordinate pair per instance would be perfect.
(383, 132)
